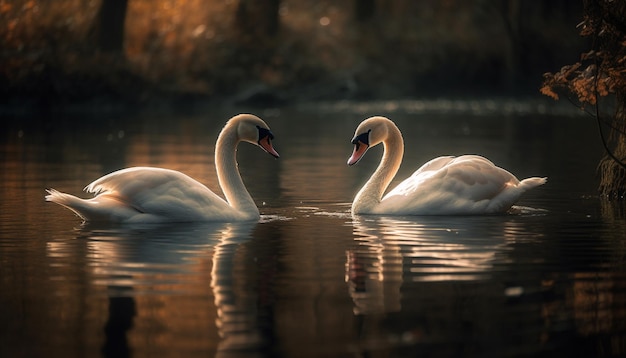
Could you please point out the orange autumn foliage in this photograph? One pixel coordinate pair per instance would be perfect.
(602, 70)
(599, 73)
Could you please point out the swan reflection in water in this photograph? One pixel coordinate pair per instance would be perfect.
(391, 251)
(157, 282)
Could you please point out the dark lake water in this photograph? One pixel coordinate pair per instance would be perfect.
(309, 280)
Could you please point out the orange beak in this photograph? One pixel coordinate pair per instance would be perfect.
(267, 146)
(359, 149)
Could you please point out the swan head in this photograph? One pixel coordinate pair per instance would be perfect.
(254, 130)
(369, 133)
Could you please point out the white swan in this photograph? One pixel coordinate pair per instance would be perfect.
(145, 195)
(464, 185)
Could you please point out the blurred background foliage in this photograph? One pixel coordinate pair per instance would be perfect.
(66, 51)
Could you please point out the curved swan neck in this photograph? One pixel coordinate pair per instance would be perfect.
(228, 174)
(372, 192)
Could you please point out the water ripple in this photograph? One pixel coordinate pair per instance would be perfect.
(436, 249)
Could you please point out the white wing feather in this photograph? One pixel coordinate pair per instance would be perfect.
(448, 185)
(160, 192)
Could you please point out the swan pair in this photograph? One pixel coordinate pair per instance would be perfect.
(464, 185)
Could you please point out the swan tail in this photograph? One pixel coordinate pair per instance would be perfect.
(96, 209)
(533, 182)
(507, 198)
(101, 208)
(79, 206)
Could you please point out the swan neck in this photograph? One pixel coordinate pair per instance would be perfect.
(370, 196)
(228, 172)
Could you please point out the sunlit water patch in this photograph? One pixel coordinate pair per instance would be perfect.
(309, 279)
(146, 259)
(432, 249)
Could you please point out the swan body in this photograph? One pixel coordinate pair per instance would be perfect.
(146, 195)
(463, 185)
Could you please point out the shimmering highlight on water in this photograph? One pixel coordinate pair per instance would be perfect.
(309, 279)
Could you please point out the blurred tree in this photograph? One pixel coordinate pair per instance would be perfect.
(601, 72)
(530, 30)
(257, 18)
(109, 26)
(511, 12)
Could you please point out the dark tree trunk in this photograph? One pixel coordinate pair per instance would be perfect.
(110, 26)
(512, 13)
(612, 173)
(364, 10)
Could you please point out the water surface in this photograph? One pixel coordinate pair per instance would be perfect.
(309, 279)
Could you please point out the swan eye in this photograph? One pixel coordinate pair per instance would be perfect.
(263, 132)
(363, 138)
